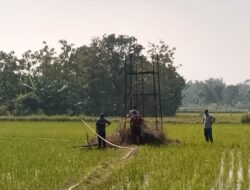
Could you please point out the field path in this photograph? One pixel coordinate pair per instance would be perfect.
(97, 175)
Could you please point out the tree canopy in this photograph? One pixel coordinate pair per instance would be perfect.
(85, 80)
(215, 91)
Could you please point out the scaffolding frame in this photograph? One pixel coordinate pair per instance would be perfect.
(135, 73)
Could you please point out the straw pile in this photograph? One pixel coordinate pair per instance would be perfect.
(150, 134)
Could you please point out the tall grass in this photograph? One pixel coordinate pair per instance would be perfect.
(193, 164)
(39, 155)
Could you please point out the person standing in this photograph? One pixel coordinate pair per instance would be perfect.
(101, 124)
(135, 126)
(208, 120)
(130, 113)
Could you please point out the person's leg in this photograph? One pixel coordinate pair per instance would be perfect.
(104, 136)
(206, 134)
(99, 141)
(133, 135)
(138, 135)
(210, 135)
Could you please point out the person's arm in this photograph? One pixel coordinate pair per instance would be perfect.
(131, 122)
(213, 119)
(108, 123)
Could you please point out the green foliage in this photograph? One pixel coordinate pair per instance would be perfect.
(172, 83)
(84, 80)
(9, 77)
(245, 118)
(3, 111)
(215, 91)
(26, 104)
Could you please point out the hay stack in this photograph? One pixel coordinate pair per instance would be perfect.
(149, 135)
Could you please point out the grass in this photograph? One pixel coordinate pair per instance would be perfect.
(37, 155)
(197, 118)
(178, 118)
(193, 164)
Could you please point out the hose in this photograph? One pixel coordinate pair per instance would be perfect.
(114, 145)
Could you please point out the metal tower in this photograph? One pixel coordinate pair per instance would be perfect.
(142, 87)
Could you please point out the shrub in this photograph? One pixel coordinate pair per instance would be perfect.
(245, 118)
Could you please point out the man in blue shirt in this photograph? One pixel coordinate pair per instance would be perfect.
(208, 120)
(101, 124)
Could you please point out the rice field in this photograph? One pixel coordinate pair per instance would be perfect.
(41, 156)
(193, 164)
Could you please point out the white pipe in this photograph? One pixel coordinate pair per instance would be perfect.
(123, 147)
(114, 145)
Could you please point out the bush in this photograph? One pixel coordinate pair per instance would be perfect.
(245, 118)
(3, 111)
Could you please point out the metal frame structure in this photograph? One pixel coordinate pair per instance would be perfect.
(135, 76)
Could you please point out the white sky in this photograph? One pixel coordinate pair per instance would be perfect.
(212, 37)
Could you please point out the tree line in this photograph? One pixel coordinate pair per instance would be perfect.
(82, 80)
(200, 94)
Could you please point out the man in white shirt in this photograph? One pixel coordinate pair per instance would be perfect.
(208, 120)
(130, 113)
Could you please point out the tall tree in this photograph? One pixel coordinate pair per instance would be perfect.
(102, 64)
(88, 79)
(231, 95)
(9, 76)
(172, 83)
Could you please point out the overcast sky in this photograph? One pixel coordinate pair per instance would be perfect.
(212, 37)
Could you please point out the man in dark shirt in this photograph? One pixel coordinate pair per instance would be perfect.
(135, 126)
(101, 124)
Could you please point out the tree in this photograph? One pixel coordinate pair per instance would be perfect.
(102, 64)
(213, 89)
(9, 77)
(88, 79)
(231, 95)
(172, 83)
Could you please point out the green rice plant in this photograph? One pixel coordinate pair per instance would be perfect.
(192, 164)
(39, 155)
(184, 118)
